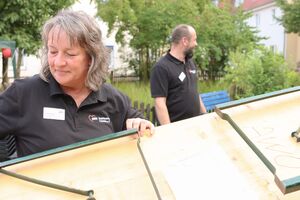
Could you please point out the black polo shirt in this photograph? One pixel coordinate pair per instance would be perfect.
(177, 81)
(42, 116)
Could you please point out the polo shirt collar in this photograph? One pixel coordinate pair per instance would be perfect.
(175, 60)
(55, 89)
(101, 94)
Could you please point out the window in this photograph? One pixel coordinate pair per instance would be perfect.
(216, 2)
(257, 20)
(273, 48)
(111, 56)
(237, 3)
(274, 15)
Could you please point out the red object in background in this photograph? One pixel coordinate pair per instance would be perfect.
(6, 52)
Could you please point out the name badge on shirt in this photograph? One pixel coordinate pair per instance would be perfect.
(53, 113)
(181, 76)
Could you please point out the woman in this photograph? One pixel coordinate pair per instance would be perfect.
(68, 101)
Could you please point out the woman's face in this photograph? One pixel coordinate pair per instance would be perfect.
(69, 63)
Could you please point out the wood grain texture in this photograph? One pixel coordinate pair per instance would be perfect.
(114, 169)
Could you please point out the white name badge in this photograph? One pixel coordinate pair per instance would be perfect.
(181, 76)
(53, 113)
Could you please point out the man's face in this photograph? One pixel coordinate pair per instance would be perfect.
(189, 52)
(192, 43)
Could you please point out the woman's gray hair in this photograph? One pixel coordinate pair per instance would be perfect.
(83, 29)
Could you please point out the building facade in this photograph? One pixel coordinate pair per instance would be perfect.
(265, 14)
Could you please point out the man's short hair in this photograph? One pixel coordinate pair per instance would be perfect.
(180, 31)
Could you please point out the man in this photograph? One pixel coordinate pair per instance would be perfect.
(174, 79)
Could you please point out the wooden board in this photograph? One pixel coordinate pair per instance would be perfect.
(215, 161)
(198, 158)
(268, 124)
(113, 169)
(187, 157)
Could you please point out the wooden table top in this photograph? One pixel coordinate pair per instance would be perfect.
(199, 158)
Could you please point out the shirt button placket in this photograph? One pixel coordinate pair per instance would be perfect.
(74, 110)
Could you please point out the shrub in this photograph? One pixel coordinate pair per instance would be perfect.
(257, 71)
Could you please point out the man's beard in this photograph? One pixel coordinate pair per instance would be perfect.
(189, 53)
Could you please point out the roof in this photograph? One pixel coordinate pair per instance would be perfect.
(251, 4)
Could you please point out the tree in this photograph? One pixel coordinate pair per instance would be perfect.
(148, 23)
(147, 26)
(21, 21)
(291, 17)
(220, 32)
(257, 71)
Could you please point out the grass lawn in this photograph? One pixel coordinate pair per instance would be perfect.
(139, 91)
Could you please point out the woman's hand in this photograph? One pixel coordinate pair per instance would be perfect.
(143, 126)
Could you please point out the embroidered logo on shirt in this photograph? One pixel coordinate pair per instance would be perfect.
(94, 118)
(192, 71)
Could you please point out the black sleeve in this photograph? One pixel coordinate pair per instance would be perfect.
(131, 112)
(159, 82)
(9, 111)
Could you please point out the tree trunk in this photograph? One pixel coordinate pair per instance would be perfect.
(4, 74)
(19, 63)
